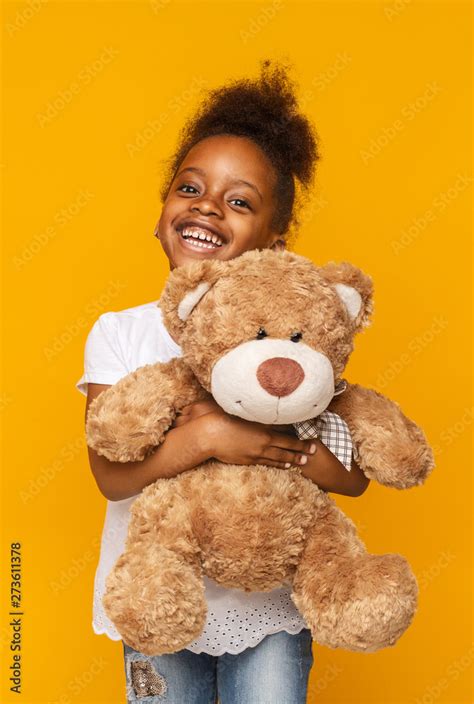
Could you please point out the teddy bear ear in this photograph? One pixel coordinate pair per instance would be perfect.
(354, 288)
(191, 299)
(186, 286)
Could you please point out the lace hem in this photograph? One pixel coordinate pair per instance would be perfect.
(235, 651)
(103, 631)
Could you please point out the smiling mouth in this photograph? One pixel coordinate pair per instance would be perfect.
(199, 237)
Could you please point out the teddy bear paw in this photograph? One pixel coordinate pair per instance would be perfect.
(158, 612)
(367, 608)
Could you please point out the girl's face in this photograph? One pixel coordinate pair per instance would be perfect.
(220, 203)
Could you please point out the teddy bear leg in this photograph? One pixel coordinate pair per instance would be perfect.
(155, 592)
(155, 599)
(350, 598)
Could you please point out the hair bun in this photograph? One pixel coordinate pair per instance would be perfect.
(265, 110)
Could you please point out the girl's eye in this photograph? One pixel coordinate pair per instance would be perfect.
(186, 185)
(240, 203)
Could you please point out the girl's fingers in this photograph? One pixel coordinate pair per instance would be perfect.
(203, 406)
(278, 465)
(181, 419)
(284, 457)
(185, 411)
(288, 443)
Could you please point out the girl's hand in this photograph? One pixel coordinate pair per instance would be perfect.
(195, 410)
(208, 405)
(236, 441)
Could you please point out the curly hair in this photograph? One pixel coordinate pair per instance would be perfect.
(266, 111)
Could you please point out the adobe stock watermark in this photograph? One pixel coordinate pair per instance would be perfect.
(81, 322)
(75, 568)
(265, 15)
(6, 399)
(320, 82)
(311, 210)
(451, 673)
(455, 430)
(84, 77)
(407, 114)
(23, 16)
(326, 677)
(50, 471)
(442, 562)
(158, 5)
(153, 127)
(77, 565)
(413, 231)
(394, 9)
(82, 680)
(63, 216)
(415, 347)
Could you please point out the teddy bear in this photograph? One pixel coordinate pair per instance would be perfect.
(268, 334)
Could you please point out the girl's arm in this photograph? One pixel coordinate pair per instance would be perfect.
(182, 449)
(189, 444)
(322, 467)
(329, 474)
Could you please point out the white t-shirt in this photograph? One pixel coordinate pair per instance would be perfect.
(118, 343)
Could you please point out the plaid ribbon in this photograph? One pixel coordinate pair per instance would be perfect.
(332, 430)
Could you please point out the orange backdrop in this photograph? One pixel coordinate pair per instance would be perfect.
(94, 95)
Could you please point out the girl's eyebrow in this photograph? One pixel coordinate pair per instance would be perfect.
(197, 170)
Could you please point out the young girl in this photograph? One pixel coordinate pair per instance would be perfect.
(230, 188)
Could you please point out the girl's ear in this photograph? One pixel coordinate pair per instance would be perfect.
(278, 245)
(355, 290)
(185, 287)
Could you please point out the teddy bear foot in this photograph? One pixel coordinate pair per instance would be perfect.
(156, 609)
(363, 606)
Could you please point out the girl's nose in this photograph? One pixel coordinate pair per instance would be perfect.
(280, 376)
(207, 206)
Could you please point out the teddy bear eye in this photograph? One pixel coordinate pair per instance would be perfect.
(261, 333)
(296, 337)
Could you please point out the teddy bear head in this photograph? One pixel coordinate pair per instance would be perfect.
(268, 333)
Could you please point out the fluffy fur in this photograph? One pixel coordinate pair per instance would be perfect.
(255, 528)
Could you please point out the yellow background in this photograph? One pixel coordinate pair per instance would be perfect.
(94, 95)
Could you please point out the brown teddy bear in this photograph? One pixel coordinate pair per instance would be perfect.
(269, 335)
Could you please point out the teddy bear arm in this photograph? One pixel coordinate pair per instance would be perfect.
(388, 446)
(128, 420)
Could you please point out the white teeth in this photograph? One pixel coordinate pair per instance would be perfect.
(200, 244)
(198, 237)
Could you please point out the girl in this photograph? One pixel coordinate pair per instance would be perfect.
(230, 187)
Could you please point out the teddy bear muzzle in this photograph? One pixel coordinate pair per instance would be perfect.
(273, 381)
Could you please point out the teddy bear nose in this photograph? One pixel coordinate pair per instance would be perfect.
(280, 375)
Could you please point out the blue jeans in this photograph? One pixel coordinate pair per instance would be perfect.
(275, 671)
